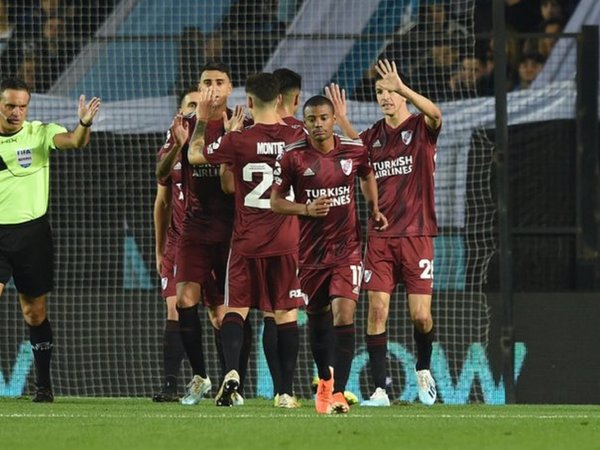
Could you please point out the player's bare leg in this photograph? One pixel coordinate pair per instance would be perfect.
(40, 336)
(379, 306)
(232, 339)
(173, 354)
(188, 297)
(288, 343)
(419, 306)
(345, 343)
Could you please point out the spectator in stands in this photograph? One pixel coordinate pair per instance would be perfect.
(530, 66)
(191, 57)
(252, 31)
(551, 9)
(6, 26)
(464, 82)
(27, 70)
(523, 15)
(54, 52)
(432, 73)
(545, 45)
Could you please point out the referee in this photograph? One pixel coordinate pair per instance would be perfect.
(26, 250)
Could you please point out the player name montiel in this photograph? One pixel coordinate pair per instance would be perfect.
(269, 148)
(339, 195)
(206, 171)
(402, 165)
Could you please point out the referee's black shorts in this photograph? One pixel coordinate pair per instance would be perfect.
(27, 254)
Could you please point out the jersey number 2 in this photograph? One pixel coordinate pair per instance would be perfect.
(253, 198)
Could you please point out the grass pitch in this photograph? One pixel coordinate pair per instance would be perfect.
(109, 423)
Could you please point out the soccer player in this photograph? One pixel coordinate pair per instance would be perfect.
(290, 86)
(203, 245)
(169, 210)
(26, 249)
(262, 271)
(322, 169)
(402, 151)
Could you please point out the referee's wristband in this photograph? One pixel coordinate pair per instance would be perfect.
(84, 125)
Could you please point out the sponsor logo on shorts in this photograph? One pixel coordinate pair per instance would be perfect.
(368, 274)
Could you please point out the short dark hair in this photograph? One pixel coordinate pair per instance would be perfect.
(317, 100)
(14, 83)
(218, 66)
(185, 92)
(288, 80)
(533, 56)
(264, 86)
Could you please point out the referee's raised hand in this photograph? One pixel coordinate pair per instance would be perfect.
(88, 111)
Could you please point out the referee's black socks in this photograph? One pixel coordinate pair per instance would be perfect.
(40, 338)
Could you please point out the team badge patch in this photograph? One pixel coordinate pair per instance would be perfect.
(406, 136)
(346, 166)
(24, 158)
(368, 274)
(164, 281)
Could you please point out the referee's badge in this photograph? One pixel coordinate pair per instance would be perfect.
(346, 166)
(368, 274)
(24, 158)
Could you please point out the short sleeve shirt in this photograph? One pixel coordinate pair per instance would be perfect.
(403, 160)
(25, 171)
(336, 238)
(252, 154)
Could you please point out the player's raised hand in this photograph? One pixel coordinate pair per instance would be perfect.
(180, 130)
(320, 207)
(206, 104)
(237, 119)
(390, 79)
(338, 98)
(87, 111)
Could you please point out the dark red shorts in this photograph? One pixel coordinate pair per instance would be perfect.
(205, 264)
(391, 260)
(323, 285)
(269, 283)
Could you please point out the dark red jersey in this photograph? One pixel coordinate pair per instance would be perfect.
(336, 238)
(177, 197)
(292, 121)
(252, 154)
(403, 160)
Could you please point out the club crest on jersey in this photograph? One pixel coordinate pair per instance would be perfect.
(24, 157)
(346, 166)
(407, 136)
(367, 276)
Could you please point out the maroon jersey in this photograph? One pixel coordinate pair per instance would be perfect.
(336, 238)
(403, 160)
(292, 121)
(208, 210)
(177, 198)
(252, 154)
